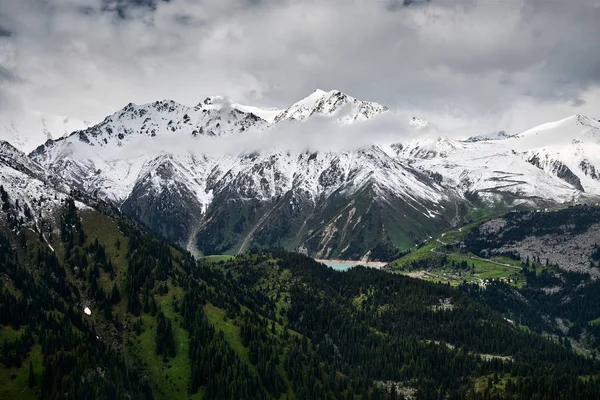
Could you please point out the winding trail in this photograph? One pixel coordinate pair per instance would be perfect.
(475, 258)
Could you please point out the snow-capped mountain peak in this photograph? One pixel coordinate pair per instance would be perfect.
(334, 103)
(220, 102)
(496, 135)
(415, 185)
(570, 127)
(216, 116)
(421, 124)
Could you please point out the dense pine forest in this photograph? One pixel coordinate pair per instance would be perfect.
(94, 307)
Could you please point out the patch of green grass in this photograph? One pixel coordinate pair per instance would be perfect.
(594, 321)
(485, 269)
(422, 253)
(476, 214)
(458, 234)
(507, 260)
(171, 377)
(284, 280)
(97, 225)
(496, 388)
(361, 298)
(9, 334)
(453, 236)
(216, 316)
(218, 258)
(13, 381)
(524, 328)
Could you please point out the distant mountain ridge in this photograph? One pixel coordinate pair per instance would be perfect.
(327, 203)
(498, 135)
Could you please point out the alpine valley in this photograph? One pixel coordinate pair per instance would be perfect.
(192, 175)
(94, 305)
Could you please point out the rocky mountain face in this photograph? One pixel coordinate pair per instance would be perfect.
(498, 135)
(191, 174)
(29, 197)
(572, 234)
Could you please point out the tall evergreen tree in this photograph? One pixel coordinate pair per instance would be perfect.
(31, 378)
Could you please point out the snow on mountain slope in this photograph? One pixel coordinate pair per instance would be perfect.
(344, 108)
(557, 161)
(104, 159)
(213, 117)
(497, 174)
(574, 128)
(28, 196)
(239, 196)
(16, 159)
(568, 149)
(28, 130)
(497, 135)
(264, 113)
(427, 147)
(318, 175)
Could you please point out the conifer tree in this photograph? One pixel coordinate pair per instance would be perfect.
(31, 378)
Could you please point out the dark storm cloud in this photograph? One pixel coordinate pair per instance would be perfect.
(489, 64)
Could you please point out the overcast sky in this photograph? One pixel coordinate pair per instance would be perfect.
(482, 65)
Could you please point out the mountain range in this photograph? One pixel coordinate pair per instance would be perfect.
(221, 177)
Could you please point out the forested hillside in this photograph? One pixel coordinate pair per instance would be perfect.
(92, 306)
(538, 269)
(558, 253)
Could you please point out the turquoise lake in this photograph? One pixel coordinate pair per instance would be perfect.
(344, 266)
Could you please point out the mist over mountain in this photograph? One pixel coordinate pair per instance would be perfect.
(330, 175)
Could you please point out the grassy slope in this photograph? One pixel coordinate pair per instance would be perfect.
(103, 228)
(170, 377)
(13, 381)
(484, 269)
(217, 258)
(275, 280)
(595, 321)
(216, 317)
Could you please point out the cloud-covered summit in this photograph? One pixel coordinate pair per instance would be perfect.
(488, 64)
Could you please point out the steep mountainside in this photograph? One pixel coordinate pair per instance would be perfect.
(192, 175)
(33, 197)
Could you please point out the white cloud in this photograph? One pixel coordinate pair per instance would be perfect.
(316, 133)
(469, 64)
